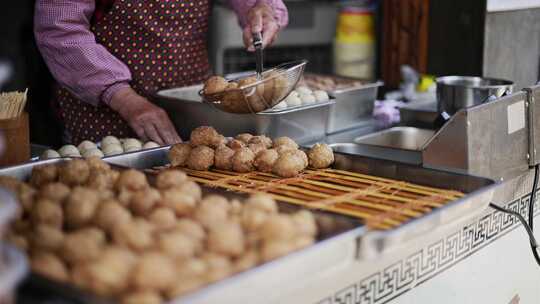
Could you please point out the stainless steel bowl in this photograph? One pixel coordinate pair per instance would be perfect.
(458, 92)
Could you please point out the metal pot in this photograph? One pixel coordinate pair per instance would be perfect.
(458, 92)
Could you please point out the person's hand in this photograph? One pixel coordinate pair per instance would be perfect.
(149, 121)
(261, 18)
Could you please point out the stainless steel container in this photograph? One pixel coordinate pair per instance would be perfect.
(458, 92)
(187, 112)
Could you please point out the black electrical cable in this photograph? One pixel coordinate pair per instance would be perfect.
(528, 226)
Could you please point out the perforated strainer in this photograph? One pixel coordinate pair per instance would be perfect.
(258, 95)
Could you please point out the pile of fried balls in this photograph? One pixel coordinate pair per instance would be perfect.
(114, 234)
(246, 153)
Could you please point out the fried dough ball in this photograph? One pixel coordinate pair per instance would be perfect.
(261, 139)
(243, 160)
(321, 156)
(83, 245)
(263, 202)
(257, 148)
(247, 260)
(177, 245)
(142, 297)
(236, 144)
(136, 234)
(223, 158)
(131, 180)
(219, 267)
(305, 223)
(301, 154)
(178, 154)
(79, 275)
(143, 201)
(178, 200)
(56, 192)
(274, 249)
(74, 172)
(47, 238)
(185, 286)
(26, 195)
(253, 218)
(264, 162)
(278, 227)
(288, 165)
(208, 213)
(190, 228)
(44, 174)
(50, 266)
(244, 137)
(111, 214)
(188, 269)
(201, 158)
(206, 136)
(283, 149)
(302, 242)
(215, 84)
(162, 218)
(102, 180)
(81, 206)
(97, 164)
(109, 274)
(170, 178)
(285, 141)
(154, 271)
(47, 212)
(226, 238)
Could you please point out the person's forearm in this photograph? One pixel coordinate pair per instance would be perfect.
(241, 7)
(77, 62)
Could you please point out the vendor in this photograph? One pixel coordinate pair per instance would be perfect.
(108, 56)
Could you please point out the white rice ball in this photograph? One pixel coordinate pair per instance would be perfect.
(131, 144)
(47, 154)
(112, 149)
(69, 151)
(86, 145)
(303, 90)
(151, 145)
(307, 98)
(108, 140)
(92, 152)
(293, 101)
(280, 106)
(321, 96)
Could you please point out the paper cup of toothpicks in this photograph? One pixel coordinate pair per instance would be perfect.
(14, 128)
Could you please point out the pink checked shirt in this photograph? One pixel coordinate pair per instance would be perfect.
(86, 68)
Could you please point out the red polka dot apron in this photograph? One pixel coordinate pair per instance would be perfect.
(163, 42)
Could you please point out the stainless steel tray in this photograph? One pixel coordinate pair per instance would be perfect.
(332, 249)
(478, 190)
(187, 111)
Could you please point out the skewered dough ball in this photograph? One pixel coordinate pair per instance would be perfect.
(257, 148)
(83, 245)
(109, 140)
(307, 98)
(95, 152)
(243, 160)
(178, 154)
(162, 218)
(112, 149)
(47, 238)
(321, 96)
(206, 136)
(132, 180)
(47, 212)
(44, 174)
(110, 214)
(144, 200)
(288, 165)
(170, 178)
(244, 137)
(215, 84)
(201, 158)
(131, 144)
(177, 245)
(293, 101)
(261, 139)
(135, 234)
(56, 192)
(49, 153)
(150, 145)
(303, 90)
(223, 157)
(49, 265)
(142, 297)
(86, 145)
(236, 144)
(81, 206)
(285, 141)
(226, 238)
(264, 162)
(69, 151)
(74, 172)
(321, 156)
(145, 275)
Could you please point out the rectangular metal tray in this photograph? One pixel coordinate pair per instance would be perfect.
(187, 112)
(333, 248)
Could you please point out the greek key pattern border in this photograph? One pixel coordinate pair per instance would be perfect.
(404, 275)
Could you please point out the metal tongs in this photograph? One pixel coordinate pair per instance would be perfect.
(257, 44)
